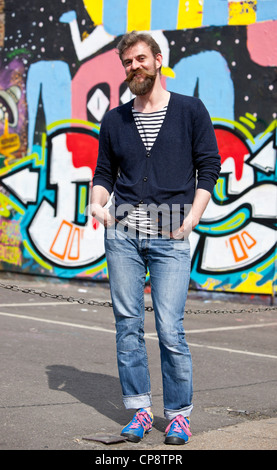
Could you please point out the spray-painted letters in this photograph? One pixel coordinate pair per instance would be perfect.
(59, 75)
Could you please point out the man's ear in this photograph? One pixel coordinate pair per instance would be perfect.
(159, 60)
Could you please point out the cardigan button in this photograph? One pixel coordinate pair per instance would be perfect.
(148, 154)
(145, 179)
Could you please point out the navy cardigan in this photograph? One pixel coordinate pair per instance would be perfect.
(185, 146)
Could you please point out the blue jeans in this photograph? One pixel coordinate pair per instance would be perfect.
(168, 261)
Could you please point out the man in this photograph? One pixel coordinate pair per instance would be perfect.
(149, 151)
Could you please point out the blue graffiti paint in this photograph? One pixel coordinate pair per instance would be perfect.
(215, 86)
(52, 81)
(215, 13)
(266, 10)
(115, 16)
(163, 17)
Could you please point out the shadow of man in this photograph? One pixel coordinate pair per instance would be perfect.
(100, 391)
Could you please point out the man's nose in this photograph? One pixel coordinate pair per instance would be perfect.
(135, 64)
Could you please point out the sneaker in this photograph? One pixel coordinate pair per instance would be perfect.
(140, 424)
(178, 431)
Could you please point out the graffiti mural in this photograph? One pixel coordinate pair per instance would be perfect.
(60, 74)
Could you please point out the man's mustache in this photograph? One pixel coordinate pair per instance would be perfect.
(133, 73)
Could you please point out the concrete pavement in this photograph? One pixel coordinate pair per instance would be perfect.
(59, 384)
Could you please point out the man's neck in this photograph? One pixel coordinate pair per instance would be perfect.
(152, 101)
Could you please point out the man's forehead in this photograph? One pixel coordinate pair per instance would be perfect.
(139, 48)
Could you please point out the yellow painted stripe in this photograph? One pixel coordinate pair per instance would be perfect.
(190, 14)
(37, 258)
(139, 15)
(95, 10)
(268, 263)
(51, 126)
(237, 125)
(5, 202)
(242, 13)
(8, 168)
(101, 266)
(247, 122)
(272, 126)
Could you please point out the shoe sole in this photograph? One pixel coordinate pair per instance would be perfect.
(132, 437)
(173, 440)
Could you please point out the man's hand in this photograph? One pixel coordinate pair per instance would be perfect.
(185, 229)
(102, 215)
(99, 199)
(199, 205)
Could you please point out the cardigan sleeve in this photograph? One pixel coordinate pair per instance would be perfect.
(206, 158)
(106, 169)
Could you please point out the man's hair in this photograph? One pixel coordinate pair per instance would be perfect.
(130, 39)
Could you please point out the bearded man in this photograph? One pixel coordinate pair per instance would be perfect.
(149, 152)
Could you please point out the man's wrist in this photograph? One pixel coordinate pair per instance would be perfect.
(94, 208)
(195, 221)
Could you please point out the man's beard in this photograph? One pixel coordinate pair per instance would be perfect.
(141, 88)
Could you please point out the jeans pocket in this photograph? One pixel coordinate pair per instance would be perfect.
(181, 244)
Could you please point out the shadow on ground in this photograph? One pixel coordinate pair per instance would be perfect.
(100, 391)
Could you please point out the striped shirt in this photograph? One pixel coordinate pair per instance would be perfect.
(148, 125)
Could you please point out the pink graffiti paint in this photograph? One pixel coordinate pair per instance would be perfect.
(105, 68)
(262, 43)
(231, 146)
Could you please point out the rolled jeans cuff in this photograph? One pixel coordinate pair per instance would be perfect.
(171, 414)
(137, 401)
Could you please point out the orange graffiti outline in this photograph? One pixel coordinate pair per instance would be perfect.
(64, 222)
(238, 258)
(76, 229)
(251, 238)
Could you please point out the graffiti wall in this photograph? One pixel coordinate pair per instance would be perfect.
(59, 75)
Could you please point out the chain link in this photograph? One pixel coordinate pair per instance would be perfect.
(27, 290)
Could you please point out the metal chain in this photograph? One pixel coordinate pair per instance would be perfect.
(27, 290)
(105, 303)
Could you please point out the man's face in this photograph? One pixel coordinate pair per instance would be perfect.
(141, 68)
